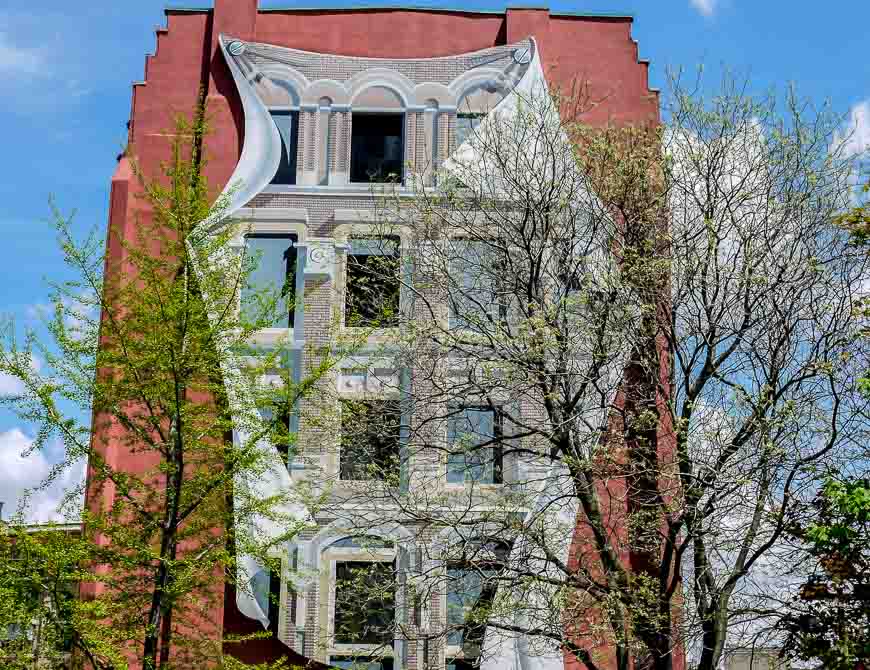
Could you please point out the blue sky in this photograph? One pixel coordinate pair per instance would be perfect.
(66, 70)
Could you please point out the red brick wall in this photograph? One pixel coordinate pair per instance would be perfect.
(598, 51)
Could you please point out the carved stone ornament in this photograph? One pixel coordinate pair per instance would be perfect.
(321, 256)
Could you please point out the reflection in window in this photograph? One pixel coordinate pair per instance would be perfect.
(288, 128)
(274, 272)
(376, 147)
(466, 125)
(372, 283)
(467, 428)
(477, 300)
(370, 435)
(365, 602)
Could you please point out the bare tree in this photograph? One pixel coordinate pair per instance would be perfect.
(627, 354)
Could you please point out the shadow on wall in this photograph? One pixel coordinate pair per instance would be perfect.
(265, 650)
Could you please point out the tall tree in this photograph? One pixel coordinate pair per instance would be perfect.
(634, 342)
(148, 347)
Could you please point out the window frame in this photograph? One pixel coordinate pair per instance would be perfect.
(498, 310)
(362, 234)
(294, 238)
(331, 556)
(497, 446)
(400, 431)
(460, 652)
(403, 120)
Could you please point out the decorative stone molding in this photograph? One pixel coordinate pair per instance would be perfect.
(267, 220)
(321, 254)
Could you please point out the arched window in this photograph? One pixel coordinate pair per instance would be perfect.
(377, 136)
(282, 99)
(360, 588)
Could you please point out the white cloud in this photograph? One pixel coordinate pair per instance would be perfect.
(706, 7)
(855, 137)
(17, 60)
(10, 385)
(22, 469)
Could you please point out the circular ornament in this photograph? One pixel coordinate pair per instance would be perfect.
(523, 55)
(236, 47)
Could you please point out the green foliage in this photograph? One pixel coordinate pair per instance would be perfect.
(146, 344)
(833, 620)
(832, 623)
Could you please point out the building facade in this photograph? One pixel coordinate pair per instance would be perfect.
(308, 108)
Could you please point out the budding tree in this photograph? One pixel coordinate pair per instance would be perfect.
(628, 354)
(150, 342)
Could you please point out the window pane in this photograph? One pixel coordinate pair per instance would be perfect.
(360, 663)
(372, 289)
(473, 300)
(370, 436)
(376, 151)
(470, 594)
(467, 428)
(274, 601)
(275, 271)
(363, 542)
(466, 124)
(364, 602)
(288, 128)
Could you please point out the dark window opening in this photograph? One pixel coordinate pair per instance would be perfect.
(461, 664)
(467, 429)
(365, 602)
(274, 274)
(377, 148)
(288, 128)
(274, 601)
(370, 437)
(372, 283)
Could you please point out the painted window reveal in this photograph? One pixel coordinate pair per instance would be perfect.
(275, 270)
(372, 288)
(370, 439)
(377, 147)
(473, 437)
(365, 602)
(288, 128)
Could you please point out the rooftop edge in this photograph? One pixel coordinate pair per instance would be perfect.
(369, 6)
